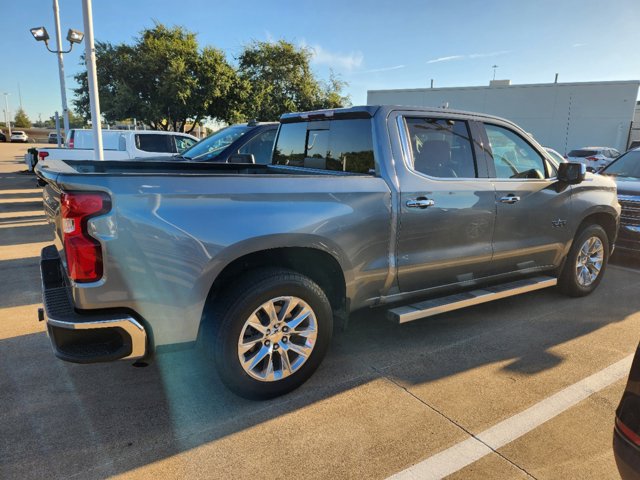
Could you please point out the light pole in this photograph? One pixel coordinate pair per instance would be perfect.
(73, 36)
(7, 114)
(92, 79)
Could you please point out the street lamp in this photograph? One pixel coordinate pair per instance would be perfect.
(7, 113)
(40, 34)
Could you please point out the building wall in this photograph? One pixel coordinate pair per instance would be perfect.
(634, 138)
(563, 116)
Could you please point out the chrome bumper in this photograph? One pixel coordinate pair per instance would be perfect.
(84, 337)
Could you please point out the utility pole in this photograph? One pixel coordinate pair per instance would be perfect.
(92, 79)
(495, 67)
(63, 87)
(7, 113)
(20, 95)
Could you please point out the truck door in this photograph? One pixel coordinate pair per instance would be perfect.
(447, 204)
(532, 219)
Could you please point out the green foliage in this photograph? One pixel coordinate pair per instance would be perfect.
(75, 120)
(21, 119)
(166, 81)
(163, 79)
(280, 80)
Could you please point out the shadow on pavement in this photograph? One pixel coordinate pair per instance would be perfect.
(19, 285)
(98, 420)
(35, 205)
(23, 234)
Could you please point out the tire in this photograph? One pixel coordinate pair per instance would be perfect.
(248, 300)
(577, 281)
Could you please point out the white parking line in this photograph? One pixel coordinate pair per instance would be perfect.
(474, 448)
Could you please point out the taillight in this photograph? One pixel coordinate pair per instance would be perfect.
(42, 155)
(71, 142)
(83, 252)
(627, 432)
(592, 159)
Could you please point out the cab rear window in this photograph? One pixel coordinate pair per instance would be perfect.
(338, 145)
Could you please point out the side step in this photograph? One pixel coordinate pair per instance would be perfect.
(435, 306)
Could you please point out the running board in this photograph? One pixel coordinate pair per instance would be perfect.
(435, 306)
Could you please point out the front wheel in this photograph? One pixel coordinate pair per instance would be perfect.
(586, 262)
(273, 330)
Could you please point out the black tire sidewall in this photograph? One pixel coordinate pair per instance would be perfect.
(569, 279)
(239, 309)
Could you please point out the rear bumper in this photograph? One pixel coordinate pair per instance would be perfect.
(85, 336)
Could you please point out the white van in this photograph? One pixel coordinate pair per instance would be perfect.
(117, 145)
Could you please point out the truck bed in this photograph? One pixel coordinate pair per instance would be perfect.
(141, 167)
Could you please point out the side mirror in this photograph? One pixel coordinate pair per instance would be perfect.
(571, 173)
(241, 158)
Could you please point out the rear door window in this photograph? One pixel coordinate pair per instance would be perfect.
(341, 145)
(154, 143)
(441, 147)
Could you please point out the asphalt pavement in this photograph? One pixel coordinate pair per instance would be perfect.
(386, 399)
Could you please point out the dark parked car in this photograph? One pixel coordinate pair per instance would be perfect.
(626, 436)
(3, 137)
(235, 144)
(626, 172)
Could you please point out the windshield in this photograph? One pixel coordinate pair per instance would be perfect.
(628, 165)
(211, 146)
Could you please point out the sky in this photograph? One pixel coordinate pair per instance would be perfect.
(369, 44)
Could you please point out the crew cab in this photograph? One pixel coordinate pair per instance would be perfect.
(415, 210)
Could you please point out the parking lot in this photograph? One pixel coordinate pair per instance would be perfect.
(386, 398)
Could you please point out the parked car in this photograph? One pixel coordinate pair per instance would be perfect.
(53, 137)
(556, 156)
(594, 158)
(119, 145)
(361, 206)
(626, 433)
(626, 173)
(19, 136)
(3, 137)
(236, 144)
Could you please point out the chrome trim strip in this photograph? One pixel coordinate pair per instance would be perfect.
(132, 327)
(429, 308)
(629, 198)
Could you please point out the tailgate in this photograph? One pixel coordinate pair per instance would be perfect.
(50, 200)
(51, 203)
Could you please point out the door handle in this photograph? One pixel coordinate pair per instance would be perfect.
(510, 199)
(420, 202)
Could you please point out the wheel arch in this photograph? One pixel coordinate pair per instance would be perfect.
(319, 265)
(607, 220)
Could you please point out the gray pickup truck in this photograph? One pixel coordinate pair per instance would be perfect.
(423, 211)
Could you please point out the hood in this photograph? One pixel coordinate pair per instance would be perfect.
(628, 186)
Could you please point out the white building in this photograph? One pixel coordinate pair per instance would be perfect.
(634, 137)
(563, 116)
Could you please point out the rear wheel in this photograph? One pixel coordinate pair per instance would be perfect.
(586, 262)
(273, 328)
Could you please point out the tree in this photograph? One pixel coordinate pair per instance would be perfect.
(21, 119)
(75, 121)
(163, 79)
(280, 80)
